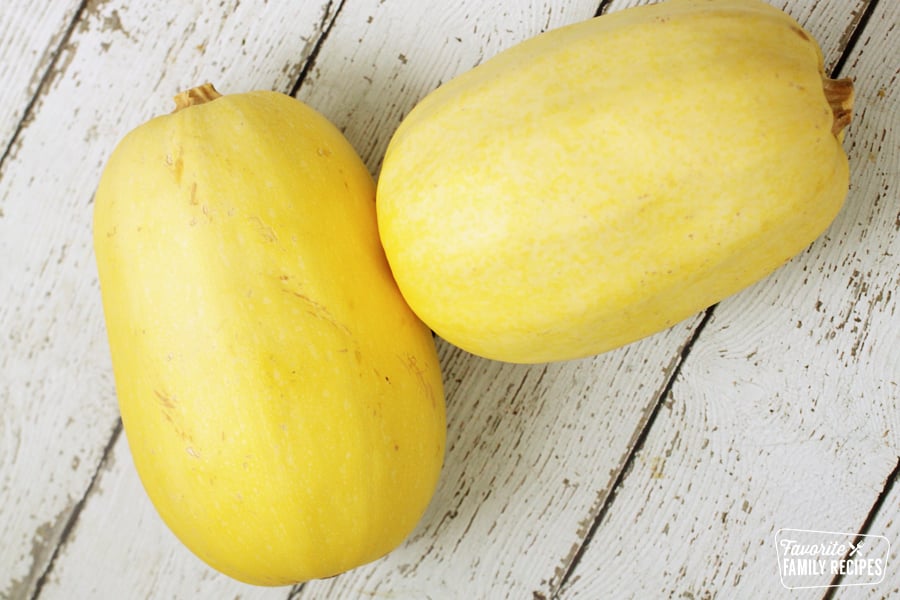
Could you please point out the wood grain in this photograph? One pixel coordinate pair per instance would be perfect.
(29, 46)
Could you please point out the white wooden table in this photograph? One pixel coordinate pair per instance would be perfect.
(660, 470)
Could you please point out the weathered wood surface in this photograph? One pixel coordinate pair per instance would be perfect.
(30, 39)
(661, 469)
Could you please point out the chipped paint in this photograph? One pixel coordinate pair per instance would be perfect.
(34, 562)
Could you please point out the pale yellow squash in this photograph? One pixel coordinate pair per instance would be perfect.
(283, 405)
(603, 181)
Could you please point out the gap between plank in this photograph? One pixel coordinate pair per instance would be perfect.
(635, 449)
(601, 7)
(42, 82)
(76, 510)
(866, 526)
(851, 38)
(20, 126)
(325, 28)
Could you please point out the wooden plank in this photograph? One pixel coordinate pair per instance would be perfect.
(30, 38)
(785, 412)
(121, 549)
(57, 406)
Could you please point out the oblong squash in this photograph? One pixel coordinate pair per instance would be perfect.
(603, 181)
(283, 405)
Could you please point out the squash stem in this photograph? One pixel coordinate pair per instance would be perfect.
(839, 93)
(196, 96)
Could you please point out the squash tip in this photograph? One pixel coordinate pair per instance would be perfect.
(839, 93)
(195, 96)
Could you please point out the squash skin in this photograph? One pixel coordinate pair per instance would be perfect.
(283, 405)
(603, 181)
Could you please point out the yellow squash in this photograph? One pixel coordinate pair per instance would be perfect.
(283, 405)
(602, 181)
